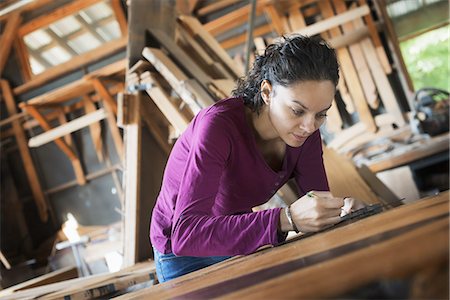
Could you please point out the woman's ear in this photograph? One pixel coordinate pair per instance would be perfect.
(266, 90)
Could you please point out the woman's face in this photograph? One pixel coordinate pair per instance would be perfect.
(296, 111)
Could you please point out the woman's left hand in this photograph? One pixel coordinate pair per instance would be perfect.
(350, 205)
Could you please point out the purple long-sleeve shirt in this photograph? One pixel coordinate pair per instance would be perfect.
(215, 175)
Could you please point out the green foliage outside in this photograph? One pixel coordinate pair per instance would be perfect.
(427, 59)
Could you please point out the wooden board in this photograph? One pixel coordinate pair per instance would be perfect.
(21, 139)
(392, 244)
(7, 38)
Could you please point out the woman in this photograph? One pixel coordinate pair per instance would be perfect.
(236, 154)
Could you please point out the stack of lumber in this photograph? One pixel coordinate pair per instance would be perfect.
(346, 25)
(90, 287)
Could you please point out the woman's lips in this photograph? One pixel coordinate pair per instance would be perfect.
(299, 138)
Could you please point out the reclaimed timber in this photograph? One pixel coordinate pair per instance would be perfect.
(196, 30)
(357, 54)
(398, 242)
(419, 150)
(181, 58)
(21, 139)
(62, 121)
(332, 22)
(233, 19)
(344, 179)
(95, 129)
(174, 76)
(162, 100)
(76, 62)
(381, 81)
(67, 128)
(110, 106)
(215, 6)
(54, 16)
(350, 74)
(376, 40)
(24, 60)
(241, 38)
(278, 22)
(7, 38)
(395, 45)
(43, 122)
(120, 16)
(104, 93)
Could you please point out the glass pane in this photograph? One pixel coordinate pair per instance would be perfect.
(84, 31)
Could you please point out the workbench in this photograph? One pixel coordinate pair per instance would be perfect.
(409, 242)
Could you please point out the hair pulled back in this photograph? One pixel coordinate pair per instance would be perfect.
(295, 58)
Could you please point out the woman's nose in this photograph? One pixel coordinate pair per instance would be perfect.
(308, 124)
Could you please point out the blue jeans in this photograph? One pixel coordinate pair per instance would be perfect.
(169, 266)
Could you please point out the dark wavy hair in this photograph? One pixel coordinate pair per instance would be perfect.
(294, 58)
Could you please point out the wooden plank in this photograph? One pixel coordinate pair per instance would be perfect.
(110, 106)
(360, 63)
(54, 16)
(181, 58)
(329, 23)
(175, 77)
(120, 16)
(241, 38)
(215, 6)
(148, 119)
(196, 30)
(95, 128)
(344, 179)
(24, 60)
(376, 40)
(75, 62)
(21, 139)
(62, 120)
(7, 38)
(419, 151)
(67, 128)
(25, 8)
(278, 22)
(76, 164)
(350, 75)
(233, 19)
(164, 103)
(104, 93)
(384, 88)
(296, 19)
(314, 252)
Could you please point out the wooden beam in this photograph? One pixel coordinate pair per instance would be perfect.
(381, 81)
(240, 39)
(198, 32)
(350, 74)
(30, 171)
(62, 120)
(215, 6)
(278, 22)
(110, 106)
(376, 40)
(95, 128)
(79, 174)
(120, 16)
(7, 38)
(358, 57)
(162, 100)
(76, 62)
(176, 79)
(332, 22)
(67, 128)
(55, 15)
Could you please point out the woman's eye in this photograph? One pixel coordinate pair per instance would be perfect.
(297, 112)
(321, 116)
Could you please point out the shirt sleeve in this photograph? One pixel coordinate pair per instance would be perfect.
(196, 231)
(310, 171)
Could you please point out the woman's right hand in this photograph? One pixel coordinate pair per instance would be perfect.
(313, 213)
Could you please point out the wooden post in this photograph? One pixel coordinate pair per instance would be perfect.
(95, 129)
(32, 176)
(7, 38)
(79, 174)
